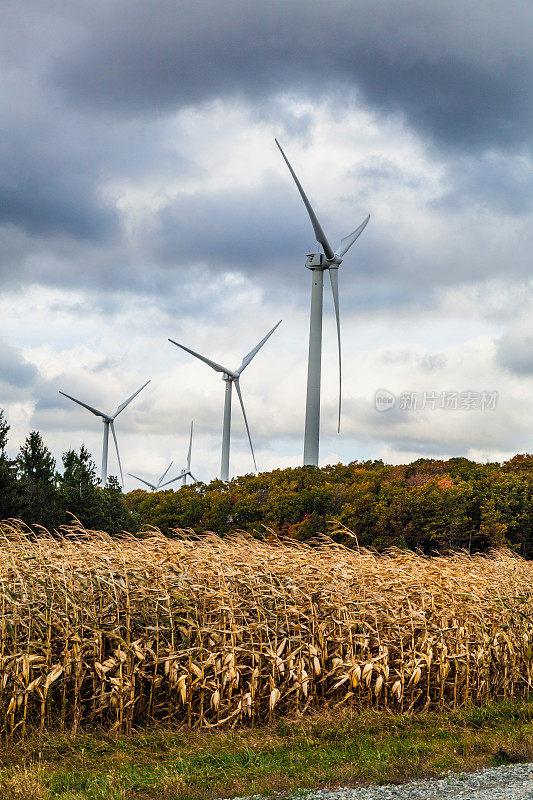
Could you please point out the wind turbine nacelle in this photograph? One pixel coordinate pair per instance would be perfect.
(316, 261)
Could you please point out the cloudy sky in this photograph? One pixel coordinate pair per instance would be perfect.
(143, 197)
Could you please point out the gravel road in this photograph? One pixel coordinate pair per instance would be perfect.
(510, 782)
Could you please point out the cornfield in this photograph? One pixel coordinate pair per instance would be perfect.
(209, 632)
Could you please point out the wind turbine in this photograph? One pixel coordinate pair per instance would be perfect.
(108, 420)
(317, 263)
(231, 377)
(188, 470)
(153, 486)
(182, 476)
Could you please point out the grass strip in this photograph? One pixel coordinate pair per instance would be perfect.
(323, 750)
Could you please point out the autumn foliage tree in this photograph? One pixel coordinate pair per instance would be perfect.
(429, 505)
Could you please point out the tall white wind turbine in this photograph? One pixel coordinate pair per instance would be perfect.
(153, 486)
(231, 377)
(317, 263)
(108, 420)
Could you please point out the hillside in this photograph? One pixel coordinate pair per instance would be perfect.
(429, 505)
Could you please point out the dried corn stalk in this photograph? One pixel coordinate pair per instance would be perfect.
(97, 631)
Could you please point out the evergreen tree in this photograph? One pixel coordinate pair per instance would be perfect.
(78, 487)
(36, 461)
(9, 501)
(118, 517)
(4, 430)
(37, 479)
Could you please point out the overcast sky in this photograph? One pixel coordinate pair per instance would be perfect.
(143, 197)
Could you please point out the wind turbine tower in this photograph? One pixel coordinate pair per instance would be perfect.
(318, 263)
(230, 377)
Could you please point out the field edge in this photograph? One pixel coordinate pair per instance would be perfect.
(323, 750)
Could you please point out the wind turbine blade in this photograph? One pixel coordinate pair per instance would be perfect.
(246, 360)
(177, 478)
(194, 479)
(118, 454)
(164, 474)
(347, 242)
(213, 364)
(245, 420)
(123, 405)
(319, 233)
(151, 485)
(89, 408)
(334, 277)
(190, 449)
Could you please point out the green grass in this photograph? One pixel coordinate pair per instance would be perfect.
(324, 750)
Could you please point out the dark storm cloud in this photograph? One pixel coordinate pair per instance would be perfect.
(265, 232)
(56, 160)
(377, 173)
(50, 167)
(14, 371)
(44, 203)
(514, 350)
(89, 88)
(235, 229)
(459, 72)
(501, 183)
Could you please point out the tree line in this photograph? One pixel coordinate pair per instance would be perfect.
(34, 491)
(429, 505)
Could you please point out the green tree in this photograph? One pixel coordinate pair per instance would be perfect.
(37, 482)
(4, 430)
(78, 487)
(117, 516)
(9, 500)
(36, 461)
(492, 528)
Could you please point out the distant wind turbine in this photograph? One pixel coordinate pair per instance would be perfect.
(108, 420)
(231, 377)
(153, 486)
(182, 476)
(317, 263)
(188, 468)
